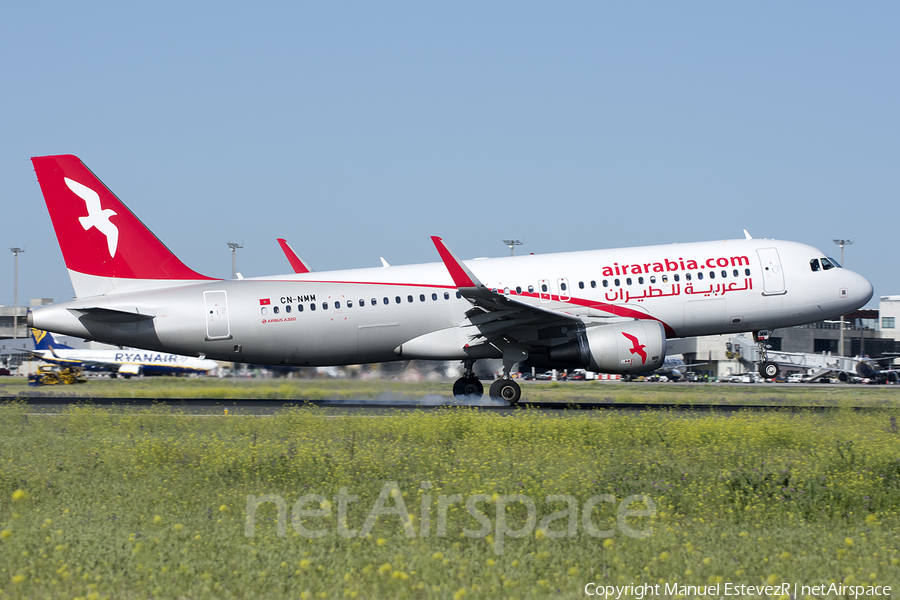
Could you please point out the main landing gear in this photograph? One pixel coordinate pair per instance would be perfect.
(468, 387)
(507, 390)
(767, 368)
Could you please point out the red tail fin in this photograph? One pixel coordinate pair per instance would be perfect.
(98, 235)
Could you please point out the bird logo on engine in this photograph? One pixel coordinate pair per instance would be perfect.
(637, 348)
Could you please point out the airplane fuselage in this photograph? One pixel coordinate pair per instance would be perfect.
(377, 314)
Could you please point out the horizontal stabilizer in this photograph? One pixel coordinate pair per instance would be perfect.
(109, 315)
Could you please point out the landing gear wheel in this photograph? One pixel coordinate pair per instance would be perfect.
(506, 390)
(468, 387)
(768, 370)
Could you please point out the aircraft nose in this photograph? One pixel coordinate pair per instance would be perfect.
(865, 291)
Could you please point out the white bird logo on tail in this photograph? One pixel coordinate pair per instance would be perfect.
(97, 215)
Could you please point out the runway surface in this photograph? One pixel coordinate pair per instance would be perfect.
(52, 404)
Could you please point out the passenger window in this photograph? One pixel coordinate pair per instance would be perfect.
(506, 291)
(665, 278)
(736, 274)
(324, 306)
(605, 283)
(747, 272)
(362, 302)
(593, 284)
(530, 289)
(580, 285)
(562, 286)
(687, 276)
(287, 308)
(409, 298)
(397, 299)
(699, 275)
(349, 303)
(640, 281)
(337, 305)
(434, 296)
(543, 287)
(458, 295)
(312, 306)
(518, 289)
(446, 295)
(299, 308)
(628, 281)
(814, 264)
(724, 273)
(386, 301)
(712, 274)
(617, 282)
(264, 310)
(275, 309)
(653, 279)
(676, 277)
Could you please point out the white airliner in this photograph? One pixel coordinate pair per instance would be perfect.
(125, 361)
(608, 311)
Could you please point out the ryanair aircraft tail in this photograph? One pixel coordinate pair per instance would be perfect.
(44, 340)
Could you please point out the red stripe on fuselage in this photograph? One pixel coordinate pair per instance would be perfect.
(619, 311)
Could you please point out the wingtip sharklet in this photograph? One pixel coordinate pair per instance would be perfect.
(459, 272)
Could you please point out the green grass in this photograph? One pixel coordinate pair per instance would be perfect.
(588, 391)
(137, 503)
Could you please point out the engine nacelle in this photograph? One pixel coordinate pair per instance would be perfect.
(625, 348)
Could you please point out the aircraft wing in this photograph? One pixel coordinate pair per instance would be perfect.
(496, 305)
(497, 315)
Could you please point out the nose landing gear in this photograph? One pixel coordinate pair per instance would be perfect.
(767, 368)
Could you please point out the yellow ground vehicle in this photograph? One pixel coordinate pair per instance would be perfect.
(52, 375)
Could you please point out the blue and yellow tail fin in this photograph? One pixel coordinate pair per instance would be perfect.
(44, 340)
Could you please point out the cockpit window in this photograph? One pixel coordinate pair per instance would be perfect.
(827, 264)
(834, 262)
(814, 264)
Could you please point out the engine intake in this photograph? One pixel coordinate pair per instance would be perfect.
(625, 348)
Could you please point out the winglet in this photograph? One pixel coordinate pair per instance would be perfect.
(747, 235)
(298, 264)
(460, 273)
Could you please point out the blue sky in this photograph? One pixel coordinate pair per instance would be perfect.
(358, 130)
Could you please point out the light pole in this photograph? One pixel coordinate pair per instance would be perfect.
(512, 245)
(842, 243)
(16, 252)
(234, 246)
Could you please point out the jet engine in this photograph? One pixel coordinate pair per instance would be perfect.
(625, 348)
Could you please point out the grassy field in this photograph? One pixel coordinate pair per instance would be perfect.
(102, 503)
(587, 391)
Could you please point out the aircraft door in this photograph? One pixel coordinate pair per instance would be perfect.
(544, 287)
(563, 285)
(773, 276)
(217, 325)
